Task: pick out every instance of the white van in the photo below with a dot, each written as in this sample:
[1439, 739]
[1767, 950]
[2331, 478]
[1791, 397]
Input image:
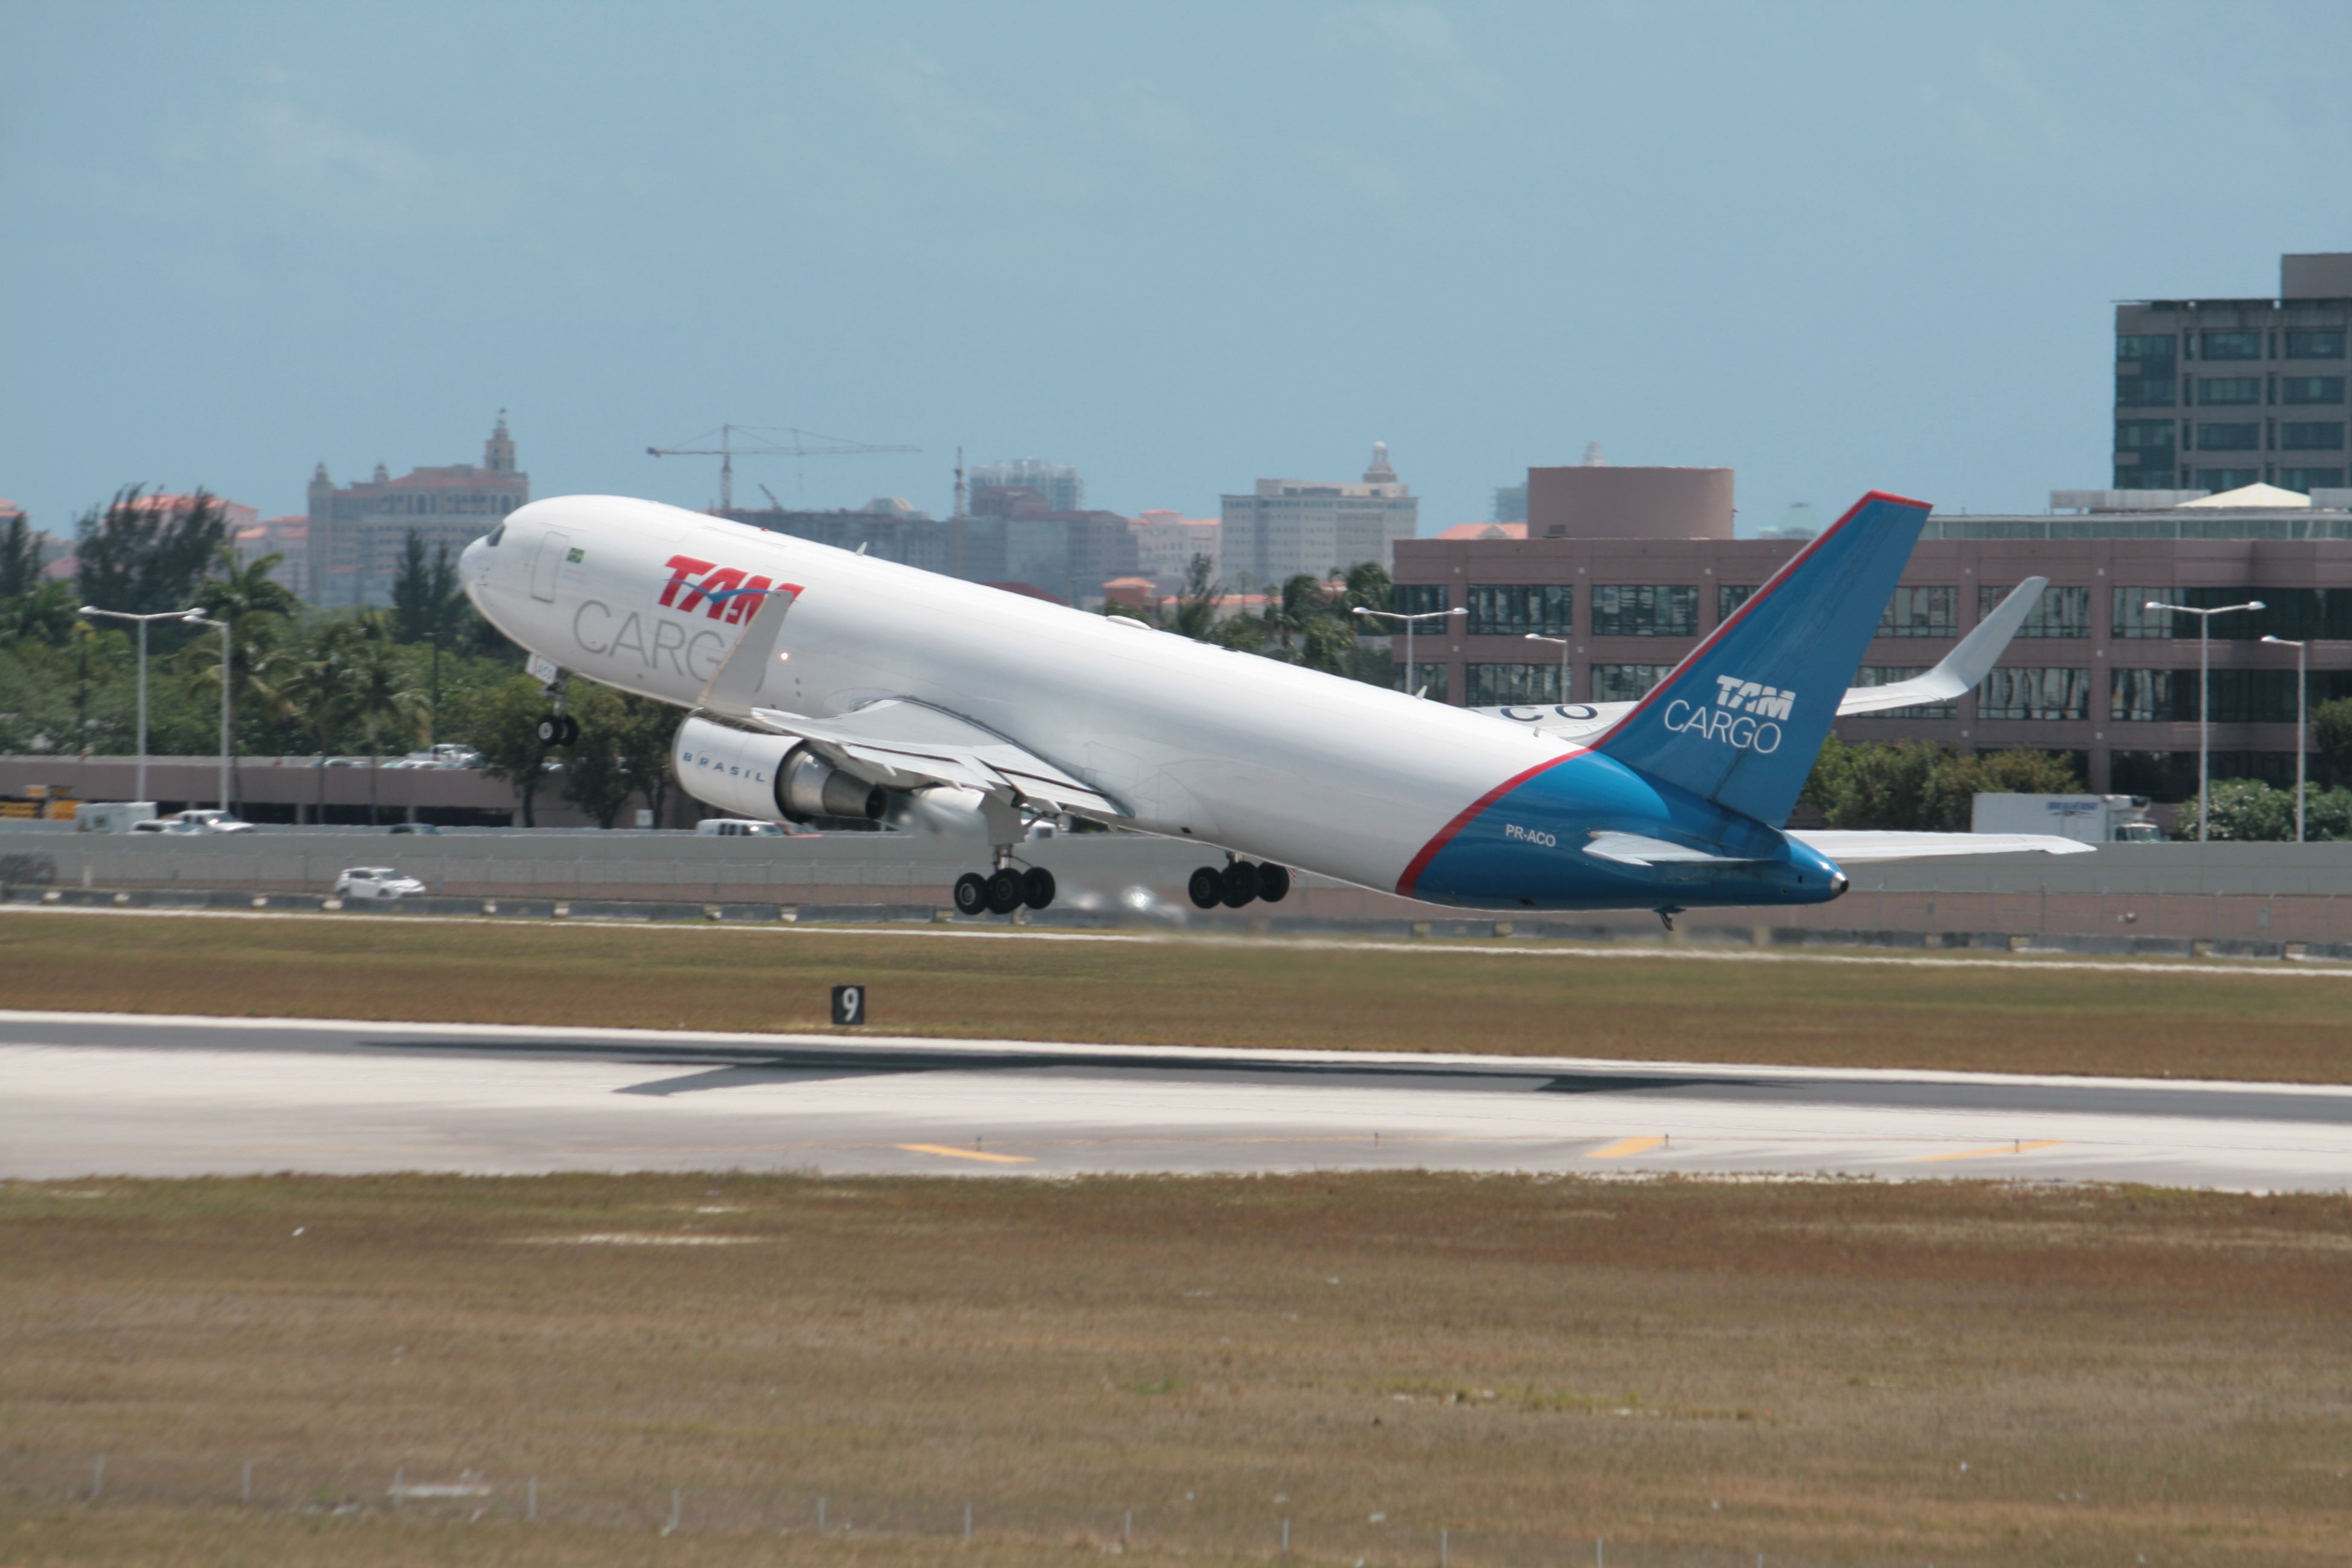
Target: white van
[112, 815]
[738, 827]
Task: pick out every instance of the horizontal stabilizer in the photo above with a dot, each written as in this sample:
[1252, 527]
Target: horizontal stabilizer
[903, 745]
[1633, 849]
[1848, 848]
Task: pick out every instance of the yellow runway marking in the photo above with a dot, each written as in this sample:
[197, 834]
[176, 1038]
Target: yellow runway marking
[2017, 1147]
[1625, 1146]
[966, 1154]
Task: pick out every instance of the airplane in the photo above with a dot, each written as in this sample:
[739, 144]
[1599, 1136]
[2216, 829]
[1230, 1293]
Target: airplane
[824, 683]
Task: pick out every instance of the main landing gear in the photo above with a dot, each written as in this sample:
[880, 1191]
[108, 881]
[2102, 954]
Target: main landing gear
[1003, 890]
[1009, 887]
[1236, 883]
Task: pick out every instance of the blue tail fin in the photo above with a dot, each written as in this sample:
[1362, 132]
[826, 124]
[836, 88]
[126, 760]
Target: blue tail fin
[1740, 720]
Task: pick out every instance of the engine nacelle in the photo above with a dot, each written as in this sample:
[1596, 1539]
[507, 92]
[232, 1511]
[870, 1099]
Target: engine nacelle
[771, 778]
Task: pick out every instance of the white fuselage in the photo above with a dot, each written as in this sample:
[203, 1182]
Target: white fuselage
[1230, 749]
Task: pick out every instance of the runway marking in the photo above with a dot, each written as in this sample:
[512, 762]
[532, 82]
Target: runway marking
[2015, 1146]
[1625, 1146]
[1433, 946]
[966, 1154]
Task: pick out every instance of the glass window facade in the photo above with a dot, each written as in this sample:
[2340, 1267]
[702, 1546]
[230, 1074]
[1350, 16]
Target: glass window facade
[2052, 693]
[2220, 480]
[2239, 696]
[2309, 479]
[2144, 436]
[1493, 685]
[2240, 436]
[2145, 391]
[2158, 775]
[1644, 610]
[2305, 435]
[1921, 612]
[1625, 682]
[1414, 599]
[1512, 609]
[2215, 390]
[1887, 675]
[1729, 597]
[2060, 613]
[1428, 679]
[2315, 344]
[2230, 345]
[2299, 615]
[2143, 346]
[2311, 389]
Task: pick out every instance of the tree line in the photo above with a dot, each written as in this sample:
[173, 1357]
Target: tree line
[301, 680]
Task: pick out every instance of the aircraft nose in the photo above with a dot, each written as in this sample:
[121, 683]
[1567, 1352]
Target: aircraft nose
[1838, 885]
[475, 559]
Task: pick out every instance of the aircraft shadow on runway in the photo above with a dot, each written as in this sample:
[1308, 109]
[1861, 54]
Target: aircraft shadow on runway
[724, 1067]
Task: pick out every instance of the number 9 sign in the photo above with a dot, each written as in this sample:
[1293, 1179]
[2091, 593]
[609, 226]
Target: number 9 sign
[848, 1005]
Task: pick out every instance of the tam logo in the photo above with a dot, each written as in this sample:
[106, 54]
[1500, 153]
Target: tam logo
[731, 594]
[1742, 714]
[1749, 696]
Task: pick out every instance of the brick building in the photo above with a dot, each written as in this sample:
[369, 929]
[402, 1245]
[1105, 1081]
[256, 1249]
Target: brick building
[2092, 673]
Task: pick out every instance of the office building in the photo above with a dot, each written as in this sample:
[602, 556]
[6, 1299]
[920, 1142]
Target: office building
[1057, 486]
[2093, 674]
[359, 533]
[1166, 542]
[287, 538]
[2215, 395]
[1289, 526]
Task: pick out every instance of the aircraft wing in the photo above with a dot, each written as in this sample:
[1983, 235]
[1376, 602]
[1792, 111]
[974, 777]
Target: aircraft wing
[903, 745]
[1854, 848]
[1960, 671]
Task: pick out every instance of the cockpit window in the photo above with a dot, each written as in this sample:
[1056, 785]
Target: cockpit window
[492, 538]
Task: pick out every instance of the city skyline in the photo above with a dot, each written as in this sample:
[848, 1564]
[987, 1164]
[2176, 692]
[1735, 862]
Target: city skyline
[1179, 255]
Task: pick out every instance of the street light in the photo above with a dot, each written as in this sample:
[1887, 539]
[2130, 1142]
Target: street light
[2301, 739]
[143, 620]
[2204, 706]
[1410, 622]
[1539, 637]
[227, 655]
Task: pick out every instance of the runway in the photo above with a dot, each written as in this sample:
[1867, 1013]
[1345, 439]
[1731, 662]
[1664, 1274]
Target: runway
[113, 1094]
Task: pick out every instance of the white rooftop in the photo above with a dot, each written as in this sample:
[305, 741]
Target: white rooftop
[2251, 496]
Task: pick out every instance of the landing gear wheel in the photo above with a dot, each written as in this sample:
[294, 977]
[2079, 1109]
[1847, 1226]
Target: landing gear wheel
[1237, 883]
[971, 893]
[1038, 887]
[1005, 892]
[1274, 883]
[1206, 888]
[571, 731]
[551, 730]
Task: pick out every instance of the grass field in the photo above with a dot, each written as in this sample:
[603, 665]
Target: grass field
[1824, 1373]
[1988, 1013]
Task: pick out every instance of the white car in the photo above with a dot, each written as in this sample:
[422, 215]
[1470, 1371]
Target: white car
[215, 822]
[376, 882]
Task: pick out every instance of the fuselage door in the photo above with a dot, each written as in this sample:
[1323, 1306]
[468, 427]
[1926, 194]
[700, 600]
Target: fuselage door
[552, 547]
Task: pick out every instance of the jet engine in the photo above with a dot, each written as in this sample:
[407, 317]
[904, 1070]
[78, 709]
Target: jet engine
[771, 778]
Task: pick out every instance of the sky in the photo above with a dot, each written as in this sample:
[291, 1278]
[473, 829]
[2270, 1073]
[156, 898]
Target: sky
[1184, 247]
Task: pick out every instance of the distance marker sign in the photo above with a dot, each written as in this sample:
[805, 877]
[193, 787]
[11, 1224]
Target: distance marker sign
[848, 1005]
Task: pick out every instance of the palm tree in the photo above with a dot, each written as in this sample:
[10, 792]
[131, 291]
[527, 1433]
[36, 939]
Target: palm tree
[383, 697]
[318, 688]
[1300, 601]
[1196, 606]
[254, 606]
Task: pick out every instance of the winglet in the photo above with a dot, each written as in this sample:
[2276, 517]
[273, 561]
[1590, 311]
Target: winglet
[1959, 670]
[733, 688]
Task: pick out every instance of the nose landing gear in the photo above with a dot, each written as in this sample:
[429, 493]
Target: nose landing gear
[1237, 883]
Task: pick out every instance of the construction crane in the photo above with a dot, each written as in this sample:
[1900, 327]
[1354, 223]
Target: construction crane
[728, 450]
